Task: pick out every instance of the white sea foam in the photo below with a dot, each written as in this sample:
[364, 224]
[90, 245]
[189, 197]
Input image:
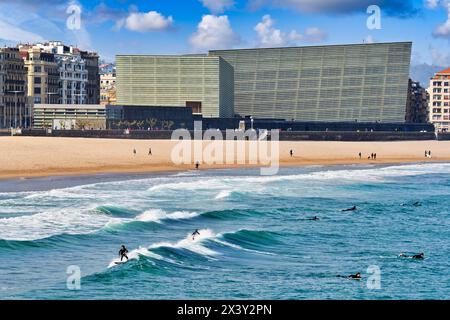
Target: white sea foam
[52, 222]
[157, 215]
[190, 243]
[135, 254]
[223, 194]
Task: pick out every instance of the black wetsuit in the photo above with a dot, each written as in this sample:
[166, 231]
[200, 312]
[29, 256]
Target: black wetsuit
[195, 233]
[350, 209]
[123, 253]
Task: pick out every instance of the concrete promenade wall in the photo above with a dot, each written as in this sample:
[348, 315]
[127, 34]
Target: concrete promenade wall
[283, 135]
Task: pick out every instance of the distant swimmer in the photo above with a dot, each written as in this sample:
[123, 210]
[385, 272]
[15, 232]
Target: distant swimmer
[350, 209]
[417, 204]
[195, 233]
[419, 256]
[123, 253]
[356, 276]
[314, 218]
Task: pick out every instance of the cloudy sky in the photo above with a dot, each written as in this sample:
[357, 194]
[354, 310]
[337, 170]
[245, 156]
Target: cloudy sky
[191, 26]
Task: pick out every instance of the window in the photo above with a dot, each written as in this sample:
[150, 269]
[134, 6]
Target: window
[37, 90]
[37, 80]
[37, 69]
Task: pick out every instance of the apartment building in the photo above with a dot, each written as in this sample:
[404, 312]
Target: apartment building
[439, 104]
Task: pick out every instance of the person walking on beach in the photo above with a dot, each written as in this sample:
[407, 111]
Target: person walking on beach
[429, 154]
[197, 164]
[134, 151]
[426, 154]
[149, 151]
[360, 155]
[291, 153]
[374, 156]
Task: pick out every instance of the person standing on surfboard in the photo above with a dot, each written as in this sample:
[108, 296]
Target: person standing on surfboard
[123, 253]
[195, 233]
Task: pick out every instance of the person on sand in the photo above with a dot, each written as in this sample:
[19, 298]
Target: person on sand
[360, 155]
[197, 164]
[123, 253]
[195, 233]
[149, 151]
[134, 151]
[291, 153]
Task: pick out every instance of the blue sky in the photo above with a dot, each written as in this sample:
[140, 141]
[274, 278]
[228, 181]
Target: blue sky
[189, 26]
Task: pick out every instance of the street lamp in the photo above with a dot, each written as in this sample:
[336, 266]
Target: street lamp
[48, 96]
[15, 107]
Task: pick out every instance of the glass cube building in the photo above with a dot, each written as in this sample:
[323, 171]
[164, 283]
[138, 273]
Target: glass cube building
[362, 82]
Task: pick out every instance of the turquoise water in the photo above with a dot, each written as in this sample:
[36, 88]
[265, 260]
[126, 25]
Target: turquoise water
[256, 240]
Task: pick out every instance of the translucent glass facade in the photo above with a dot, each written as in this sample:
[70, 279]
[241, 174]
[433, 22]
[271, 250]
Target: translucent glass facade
[173, 81]
[364, 82]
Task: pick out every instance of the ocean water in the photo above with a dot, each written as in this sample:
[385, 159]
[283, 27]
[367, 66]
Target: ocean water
[256, 237]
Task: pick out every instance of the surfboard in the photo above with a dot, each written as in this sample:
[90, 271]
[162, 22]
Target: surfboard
[120, 262]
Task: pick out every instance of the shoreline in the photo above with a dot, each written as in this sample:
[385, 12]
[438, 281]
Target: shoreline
[39, 157]
[142, 171]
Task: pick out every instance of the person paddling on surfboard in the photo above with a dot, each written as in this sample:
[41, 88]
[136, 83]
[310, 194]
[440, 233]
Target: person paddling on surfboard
[351, 209]
[195, 233]
[123, 253]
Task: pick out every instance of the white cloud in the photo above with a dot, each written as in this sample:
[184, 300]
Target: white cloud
[438, 58]
[400, 8]
[313, 34]
[443, 31]
[431, 4]
[14, 33]
[217, 6]
[147, 22]
[369, 39]
[214, 32]
[268, 35]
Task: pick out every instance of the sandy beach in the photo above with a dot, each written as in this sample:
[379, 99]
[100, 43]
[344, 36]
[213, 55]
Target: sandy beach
[24, 157]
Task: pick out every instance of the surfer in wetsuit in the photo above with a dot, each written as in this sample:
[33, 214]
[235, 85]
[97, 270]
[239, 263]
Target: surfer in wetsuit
[195, 233]
[356, 276]
[314, 218]
[123, 253]
[350, 209]
[419, 256]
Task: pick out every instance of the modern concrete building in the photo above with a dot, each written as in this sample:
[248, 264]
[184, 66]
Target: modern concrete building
[203, 83]
[16, 108]
[363, 82]
[69, 116]
[438, 106]
[417, 103]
